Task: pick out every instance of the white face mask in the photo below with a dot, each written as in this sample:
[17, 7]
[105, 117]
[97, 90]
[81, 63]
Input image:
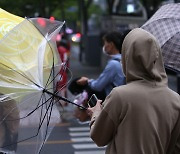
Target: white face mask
[104, 51]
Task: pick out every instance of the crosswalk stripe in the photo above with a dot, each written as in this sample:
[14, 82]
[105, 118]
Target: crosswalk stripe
[90, 152]
[79, 134]
[85, 146]
[82, 139]
[79, 129]
[47, 142]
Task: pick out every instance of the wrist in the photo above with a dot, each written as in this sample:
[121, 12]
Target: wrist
[89, 81]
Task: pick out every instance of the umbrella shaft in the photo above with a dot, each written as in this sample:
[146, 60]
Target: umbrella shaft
[63, 98]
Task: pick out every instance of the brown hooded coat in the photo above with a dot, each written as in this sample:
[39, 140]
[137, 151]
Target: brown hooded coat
[139, 117]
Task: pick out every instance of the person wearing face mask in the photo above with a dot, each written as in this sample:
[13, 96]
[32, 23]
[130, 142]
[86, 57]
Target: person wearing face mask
[112, 75]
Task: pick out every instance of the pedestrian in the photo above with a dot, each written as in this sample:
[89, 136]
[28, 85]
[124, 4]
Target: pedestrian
[112, 76]
[141, 117]
[9, 125]
[63, 77]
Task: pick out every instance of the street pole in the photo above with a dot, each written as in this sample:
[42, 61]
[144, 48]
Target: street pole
[178, 83]
[42, 6]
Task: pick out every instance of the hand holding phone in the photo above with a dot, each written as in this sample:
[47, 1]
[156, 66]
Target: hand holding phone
[93, 100]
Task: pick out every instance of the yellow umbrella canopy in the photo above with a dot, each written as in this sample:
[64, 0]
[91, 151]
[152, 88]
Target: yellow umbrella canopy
[29, 64]
[29, 54]
[7, 22]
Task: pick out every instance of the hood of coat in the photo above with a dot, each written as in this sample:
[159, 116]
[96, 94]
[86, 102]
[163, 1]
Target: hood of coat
[142, 58]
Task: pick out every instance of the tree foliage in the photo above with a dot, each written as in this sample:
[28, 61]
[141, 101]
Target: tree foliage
[44, 8]
[151, 6]
[72, 11]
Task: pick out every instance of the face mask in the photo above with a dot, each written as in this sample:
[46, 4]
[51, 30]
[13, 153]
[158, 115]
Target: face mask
[104, 51]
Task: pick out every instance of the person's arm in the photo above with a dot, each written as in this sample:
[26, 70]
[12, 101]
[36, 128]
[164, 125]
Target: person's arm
[82, 81]
[104, 78]
[102, 129]
[104, 120]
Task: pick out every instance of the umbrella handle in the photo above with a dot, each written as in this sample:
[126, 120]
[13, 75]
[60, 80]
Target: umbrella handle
[64, 99]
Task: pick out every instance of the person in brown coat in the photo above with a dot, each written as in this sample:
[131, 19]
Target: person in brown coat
[141, 116]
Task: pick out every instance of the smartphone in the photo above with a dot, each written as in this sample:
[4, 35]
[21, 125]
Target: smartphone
[93, 100]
